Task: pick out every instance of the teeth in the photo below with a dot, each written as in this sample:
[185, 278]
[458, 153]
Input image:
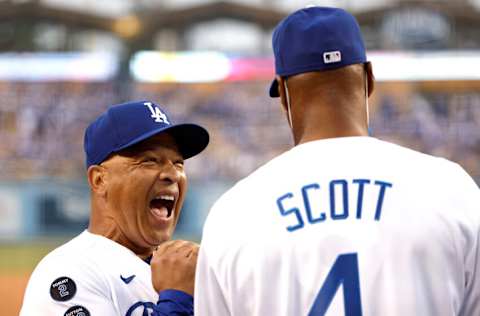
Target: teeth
[166, 197]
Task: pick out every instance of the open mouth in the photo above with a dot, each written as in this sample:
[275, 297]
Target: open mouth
[162, 206]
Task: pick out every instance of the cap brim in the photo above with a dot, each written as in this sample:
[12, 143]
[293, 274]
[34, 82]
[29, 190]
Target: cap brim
[191, 139]
[274, 89]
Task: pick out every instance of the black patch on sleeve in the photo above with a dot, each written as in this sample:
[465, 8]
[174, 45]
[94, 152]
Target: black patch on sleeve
[63, 289]
[77, 310]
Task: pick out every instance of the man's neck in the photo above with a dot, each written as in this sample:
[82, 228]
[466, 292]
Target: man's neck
[329, 121]
[108, 229]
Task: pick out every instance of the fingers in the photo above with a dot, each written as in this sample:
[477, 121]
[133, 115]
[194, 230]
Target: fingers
[173, 266]
[189, 250]
[176, 246]
[164, 247]
[192, 253]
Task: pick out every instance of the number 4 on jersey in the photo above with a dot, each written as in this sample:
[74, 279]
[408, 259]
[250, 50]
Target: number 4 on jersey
[344, 271]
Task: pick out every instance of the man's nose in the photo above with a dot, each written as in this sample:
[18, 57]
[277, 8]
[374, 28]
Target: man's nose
[170, 173]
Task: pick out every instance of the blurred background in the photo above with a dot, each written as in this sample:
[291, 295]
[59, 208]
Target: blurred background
[62, 62]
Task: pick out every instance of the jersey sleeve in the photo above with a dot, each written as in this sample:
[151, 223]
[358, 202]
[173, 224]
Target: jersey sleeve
[174, 303]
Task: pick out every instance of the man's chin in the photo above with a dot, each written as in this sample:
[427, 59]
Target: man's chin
[159, 238]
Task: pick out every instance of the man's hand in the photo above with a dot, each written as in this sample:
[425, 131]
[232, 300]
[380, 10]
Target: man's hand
[173, 266]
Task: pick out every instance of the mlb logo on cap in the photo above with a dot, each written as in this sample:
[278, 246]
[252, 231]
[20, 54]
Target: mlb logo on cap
[316, 39]
[332, 57]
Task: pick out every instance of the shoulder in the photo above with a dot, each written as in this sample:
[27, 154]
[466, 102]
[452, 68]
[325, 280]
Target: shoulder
[239, 205]
[398, 156]
[257, 181]
[77, 254]
[242, 190]
[448, 183]
[60, 273]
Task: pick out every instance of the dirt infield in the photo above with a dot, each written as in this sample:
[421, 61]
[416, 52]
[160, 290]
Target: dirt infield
[12, 287]
[17, 261]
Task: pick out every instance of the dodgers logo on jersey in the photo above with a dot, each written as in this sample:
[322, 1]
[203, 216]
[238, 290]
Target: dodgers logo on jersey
[145, 308]
[157, 114]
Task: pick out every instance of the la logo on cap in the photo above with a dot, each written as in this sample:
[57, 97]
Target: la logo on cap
[157, 114]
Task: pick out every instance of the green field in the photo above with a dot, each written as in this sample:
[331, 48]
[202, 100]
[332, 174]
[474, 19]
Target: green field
[17, 261]
[23, 257]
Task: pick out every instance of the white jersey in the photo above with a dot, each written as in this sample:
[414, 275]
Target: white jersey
[344, 226]
[90, 275]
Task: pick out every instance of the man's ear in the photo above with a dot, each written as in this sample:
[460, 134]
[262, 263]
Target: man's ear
[370, 78]
[281, 91]
[97, 179]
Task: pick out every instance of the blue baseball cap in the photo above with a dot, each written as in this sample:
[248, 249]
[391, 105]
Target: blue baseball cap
[127, 124]
[316, 39]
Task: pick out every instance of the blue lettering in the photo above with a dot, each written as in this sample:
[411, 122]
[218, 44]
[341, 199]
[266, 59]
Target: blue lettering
[333, 211]
[344, 272]
[381, 195]
[306, 201]
[337, 194]
[361, 183]
[294, 210]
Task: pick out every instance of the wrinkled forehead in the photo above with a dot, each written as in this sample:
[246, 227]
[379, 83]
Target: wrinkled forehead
[162, 142]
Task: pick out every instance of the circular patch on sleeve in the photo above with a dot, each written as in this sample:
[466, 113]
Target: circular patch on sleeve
[63, 289]
[77, 311]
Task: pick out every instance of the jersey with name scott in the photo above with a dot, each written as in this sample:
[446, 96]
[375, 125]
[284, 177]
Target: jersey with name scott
[344, 226]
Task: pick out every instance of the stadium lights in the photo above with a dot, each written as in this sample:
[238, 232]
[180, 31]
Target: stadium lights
[426, 66]
[215, 66]
[57, 66]
[180, 66]
[193, 66]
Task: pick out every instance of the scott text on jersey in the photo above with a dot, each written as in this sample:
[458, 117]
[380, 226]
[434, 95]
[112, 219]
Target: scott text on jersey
[337, 192]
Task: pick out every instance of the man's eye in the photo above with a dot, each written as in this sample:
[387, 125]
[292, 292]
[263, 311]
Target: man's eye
[179, 163]
[149, 160]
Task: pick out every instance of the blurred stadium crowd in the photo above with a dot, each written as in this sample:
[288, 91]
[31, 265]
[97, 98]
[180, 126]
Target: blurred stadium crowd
[42, 124]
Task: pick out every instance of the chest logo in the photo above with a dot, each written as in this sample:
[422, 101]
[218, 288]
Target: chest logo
[63, 289]
[127, 280]
[145, 307]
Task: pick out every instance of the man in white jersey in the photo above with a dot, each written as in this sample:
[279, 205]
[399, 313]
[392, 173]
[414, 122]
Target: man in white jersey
[125, 263]
[343, 223]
